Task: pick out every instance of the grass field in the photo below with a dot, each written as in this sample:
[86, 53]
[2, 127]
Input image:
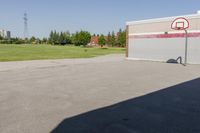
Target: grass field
[10, 52]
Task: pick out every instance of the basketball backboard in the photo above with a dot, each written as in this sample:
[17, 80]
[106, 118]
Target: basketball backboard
[180, 24]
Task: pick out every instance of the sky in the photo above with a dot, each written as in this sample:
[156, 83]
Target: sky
[95, 16]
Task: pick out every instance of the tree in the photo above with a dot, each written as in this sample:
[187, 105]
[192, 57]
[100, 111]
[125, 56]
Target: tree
[44, 40]
[108, 40]
[50, 40]
[32, 40]
[61, 39]
[17, 41]
[113, 40]
[67, 37]
[38, 41]
[81, 38]
[1, 38]
[56, 37]
[102, 40]
[73, 38]
[121, 39]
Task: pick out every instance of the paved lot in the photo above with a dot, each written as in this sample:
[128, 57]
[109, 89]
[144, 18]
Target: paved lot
[99, 95]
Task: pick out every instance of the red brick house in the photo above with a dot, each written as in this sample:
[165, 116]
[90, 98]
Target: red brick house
[94, 40]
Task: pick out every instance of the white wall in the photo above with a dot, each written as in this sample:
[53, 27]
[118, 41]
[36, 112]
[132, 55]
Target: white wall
[194, 50]
[163, 49]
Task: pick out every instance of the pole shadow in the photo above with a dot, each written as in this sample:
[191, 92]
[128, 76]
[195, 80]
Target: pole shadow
[172, 110]
[176, 61]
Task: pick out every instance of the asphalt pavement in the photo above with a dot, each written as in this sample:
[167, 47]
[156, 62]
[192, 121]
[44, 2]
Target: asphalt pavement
[106, 94]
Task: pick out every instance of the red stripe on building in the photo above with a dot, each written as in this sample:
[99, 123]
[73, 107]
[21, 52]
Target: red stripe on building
[172, 35]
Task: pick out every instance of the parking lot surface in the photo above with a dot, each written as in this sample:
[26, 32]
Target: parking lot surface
[106, 94]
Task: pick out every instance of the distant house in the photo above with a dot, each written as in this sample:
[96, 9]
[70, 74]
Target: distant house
[94, 41]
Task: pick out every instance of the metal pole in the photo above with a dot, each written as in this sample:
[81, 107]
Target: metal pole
[186, 46]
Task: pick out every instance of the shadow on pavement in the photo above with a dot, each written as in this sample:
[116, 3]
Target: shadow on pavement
[172, 110]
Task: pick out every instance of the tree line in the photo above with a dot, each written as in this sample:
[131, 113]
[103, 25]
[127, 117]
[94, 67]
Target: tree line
[78, 38]
[55, 38]
[64, 38]
[113, 39]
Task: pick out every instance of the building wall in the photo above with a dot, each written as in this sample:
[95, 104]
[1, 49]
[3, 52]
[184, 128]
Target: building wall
[161, 26]
[155, 40]
[94, 40]
[5, 34]
[8, 34]
[159, 49]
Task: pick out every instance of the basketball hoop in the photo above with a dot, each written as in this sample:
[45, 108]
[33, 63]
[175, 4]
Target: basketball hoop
[182, 24]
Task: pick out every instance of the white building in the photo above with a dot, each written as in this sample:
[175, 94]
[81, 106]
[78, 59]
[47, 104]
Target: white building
[154, 39]
[5, 33]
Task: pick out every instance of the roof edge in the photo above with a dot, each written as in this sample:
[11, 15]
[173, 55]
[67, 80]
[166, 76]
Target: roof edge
[191, 16]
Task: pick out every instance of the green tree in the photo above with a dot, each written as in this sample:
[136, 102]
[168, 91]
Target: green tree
[38, 41]
[61, 40]
[113, 39]
[18, 41]
[81, 38]
[44, 40]
[56, 38]
[50, 40]
[32, 40]
[102, 40]
[73, 38]
[67, 37]
[121, 39]
[1, 38]
[108, 40]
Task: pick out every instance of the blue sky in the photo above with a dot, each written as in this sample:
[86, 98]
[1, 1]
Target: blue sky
[96, 16]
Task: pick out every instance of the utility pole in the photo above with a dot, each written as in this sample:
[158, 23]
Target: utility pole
[25, 18]
[186, 46]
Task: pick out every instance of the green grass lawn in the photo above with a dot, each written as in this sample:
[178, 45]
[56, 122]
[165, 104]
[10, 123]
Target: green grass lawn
[10, 52]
